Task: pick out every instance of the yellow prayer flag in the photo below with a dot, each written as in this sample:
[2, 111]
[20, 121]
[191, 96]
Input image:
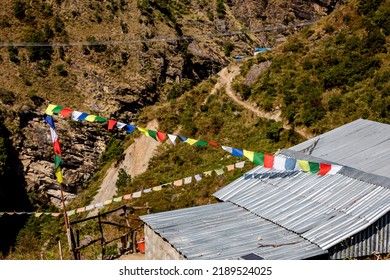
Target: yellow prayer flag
[158, 188]
[250, 155]
[304, 165]
[143, 130]
[90, 118]
[49, 109]
[58, 173]
[191, 141]
[108, 201]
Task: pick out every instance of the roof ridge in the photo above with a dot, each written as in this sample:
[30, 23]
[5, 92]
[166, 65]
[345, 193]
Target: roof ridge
[347, 171]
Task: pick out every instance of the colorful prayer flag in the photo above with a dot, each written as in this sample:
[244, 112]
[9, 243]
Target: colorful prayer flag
[76, 115]
[82, 116]
[187, 180]
[314, 167]
[258, 158]
[130, 128]
[279, 163]
[178, 183]
[237, 152]
[58, 174]
[158, 188]
[90, 118]
[227, 149]
[324, 168]
[161, 136]
[153, 134]
[241, 164]
[214, 144]
[268, 161]
[172, 138]
[219, 171]
[304, 165]
[334, 169]
[120, 125]
[111, 124]
[230, 167]
[143, 131]
[49, 109]
[137, 194]
[201, 143]
[198, 177]
[191, 141]
[128, 196]
[290, 163]
[249, 155]
[66, 112]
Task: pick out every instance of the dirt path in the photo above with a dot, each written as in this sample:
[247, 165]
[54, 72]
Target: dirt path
[135, 162]
[226, 77]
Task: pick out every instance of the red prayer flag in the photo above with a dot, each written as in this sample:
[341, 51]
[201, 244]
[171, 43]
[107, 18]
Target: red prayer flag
[111, 124]
[213, 144]
[324, 168]
[66, 112]
[57, 149]
[268, 161]
[161, 136]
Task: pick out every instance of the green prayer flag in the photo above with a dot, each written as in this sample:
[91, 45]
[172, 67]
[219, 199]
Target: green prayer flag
[57, 109]
[258, 158]
[314, 167]
[57, 161]
[153, 134]
[201, 143]
[100, 119]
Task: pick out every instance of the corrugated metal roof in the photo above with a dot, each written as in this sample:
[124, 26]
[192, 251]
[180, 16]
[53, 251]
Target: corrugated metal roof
[225, 231]
[372, 240]
[323, 209]
[361, 144]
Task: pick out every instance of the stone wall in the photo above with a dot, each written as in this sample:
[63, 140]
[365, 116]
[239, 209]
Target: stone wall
[156, 248]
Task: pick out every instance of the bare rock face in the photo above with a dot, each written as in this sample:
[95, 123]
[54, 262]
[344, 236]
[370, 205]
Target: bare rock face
[81, 145]
[255, 71]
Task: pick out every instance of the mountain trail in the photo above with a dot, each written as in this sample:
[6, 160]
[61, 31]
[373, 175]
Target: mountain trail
[226, 77]
[135, 162]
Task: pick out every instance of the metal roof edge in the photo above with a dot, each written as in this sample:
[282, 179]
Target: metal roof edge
[346, 170]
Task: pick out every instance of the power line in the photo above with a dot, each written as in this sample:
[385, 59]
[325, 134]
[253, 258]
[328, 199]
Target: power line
[159, 39]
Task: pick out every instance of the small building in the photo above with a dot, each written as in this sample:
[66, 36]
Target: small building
[279, 214]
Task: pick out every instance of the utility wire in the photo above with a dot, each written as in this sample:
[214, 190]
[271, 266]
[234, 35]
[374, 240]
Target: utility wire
[159, 39]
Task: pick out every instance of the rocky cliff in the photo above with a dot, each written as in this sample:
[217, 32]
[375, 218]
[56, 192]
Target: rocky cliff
[114, 58]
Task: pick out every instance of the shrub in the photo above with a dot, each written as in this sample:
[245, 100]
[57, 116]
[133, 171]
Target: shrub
[13, 54]
[228, 47]
[7, 97]
[19, 9]
[61, 70]
[220, 9]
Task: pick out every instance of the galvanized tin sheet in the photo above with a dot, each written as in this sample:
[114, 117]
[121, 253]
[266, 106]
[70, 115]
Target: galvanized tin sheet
[360, 144]
[225, 231]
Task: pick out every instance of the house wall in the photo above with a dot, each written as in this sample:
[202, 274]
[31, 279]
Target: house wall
[156, 248]
[373, 240]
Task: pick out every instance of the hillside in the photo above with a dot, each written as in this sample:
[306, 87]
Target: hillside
[160, 62]
[112, 58]
[329, 74]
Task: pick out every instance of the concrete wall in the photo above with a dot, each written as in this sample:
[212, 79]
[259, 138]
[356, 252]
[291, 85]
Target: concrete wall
[157, 248]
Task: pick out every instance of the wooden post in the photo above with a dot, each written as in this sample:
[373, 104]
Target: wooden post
[102, 236]
[70, 243]
[60, 249]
